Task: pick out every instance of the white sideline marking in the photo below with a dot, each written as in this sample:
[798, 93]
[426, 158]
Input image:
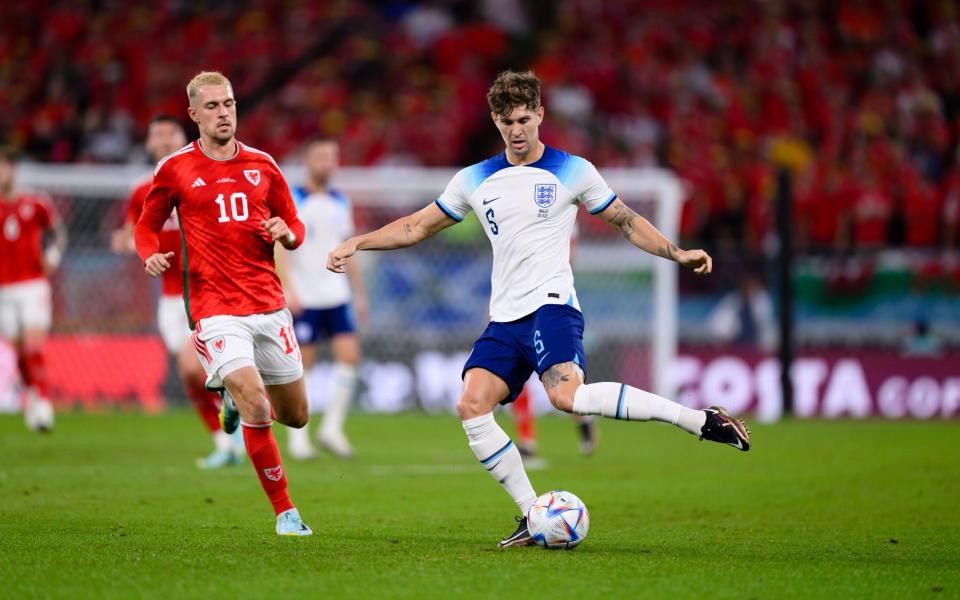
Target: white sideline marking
[436, 469]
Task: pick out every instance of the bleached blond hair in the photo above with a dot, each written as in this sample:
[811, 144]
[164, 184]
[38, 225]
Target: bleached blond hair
[206, 78]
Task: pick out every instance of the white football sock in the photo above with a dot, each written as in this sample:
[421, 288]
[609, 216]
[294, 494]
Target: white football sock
[344, 384]
[498, 455]
[622, 402]
[298, 438]
[222, 441]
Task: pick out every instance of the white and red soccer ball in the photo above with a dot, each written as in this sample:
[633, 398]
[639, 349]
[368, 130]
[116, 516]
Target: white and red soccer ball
[558, 519]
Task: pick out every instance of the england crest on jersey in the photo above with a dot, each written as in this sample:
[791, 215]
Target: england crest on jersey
[252, 175]
[545, 194]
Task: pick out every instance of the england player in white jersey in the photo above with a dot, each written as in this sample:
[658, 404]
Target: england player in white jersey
[324, 305]
[527, 198]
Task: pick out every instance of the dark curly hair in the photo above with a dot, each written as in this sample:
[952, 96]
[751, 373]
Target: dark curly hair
[512, 89]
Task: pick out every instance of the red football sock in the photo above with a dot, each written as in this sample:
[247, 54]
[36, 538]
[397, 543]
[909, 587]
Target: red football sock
[265, 456]
[33, 370]
[206, 403]
[521, 412]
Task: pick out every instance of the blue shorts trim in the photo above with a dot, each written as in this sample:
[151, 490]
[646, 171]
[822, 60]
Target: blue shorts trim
[314, 324]
[551, 335]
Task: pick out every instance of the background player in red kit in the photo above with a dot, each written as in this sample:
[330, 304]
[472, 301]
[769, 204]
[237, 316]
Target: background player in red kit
[25, 309]
[234, 204]
[165, 135]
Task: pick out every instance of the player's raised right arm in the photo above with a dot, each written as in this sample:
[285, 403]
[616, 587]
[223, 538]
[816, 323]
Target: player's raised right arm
[402, 233]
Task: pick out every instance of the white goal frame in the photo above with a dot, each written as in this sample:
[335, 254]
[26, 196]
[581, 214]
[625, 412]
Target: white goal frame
[415, 187]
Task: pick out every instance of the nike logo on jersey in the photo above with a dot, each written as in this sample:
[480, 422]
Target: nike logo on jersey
[541, 358]
[198, 183]
[486, 202]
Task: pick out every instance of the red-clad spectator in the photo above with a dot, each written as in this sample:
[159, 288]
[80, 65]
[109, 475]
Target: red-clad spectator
[708, 77]
[922, 209]
[822, 209]
[859, 20]
[950, 202]
[871, 206]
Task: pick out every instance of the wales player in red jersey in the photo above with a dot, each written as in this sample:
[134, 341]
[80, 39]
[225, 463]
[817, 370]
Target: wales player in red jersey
[25, 309]
[165, 135]
[234, 205]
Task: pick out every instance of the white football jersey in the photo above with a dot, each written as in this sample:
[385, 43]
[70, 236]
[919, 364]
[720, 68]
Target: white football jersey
[528, 213]
[328, 219]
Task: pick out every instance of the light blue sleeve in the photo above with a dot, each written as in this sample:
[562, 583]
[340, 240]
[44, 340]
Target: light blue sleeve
[455, 201]
[591, 189]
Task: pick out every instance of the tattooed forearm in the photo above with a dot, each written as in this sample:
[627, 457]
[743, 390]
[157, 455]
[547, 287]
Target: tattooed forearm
[669, 252]
[408, 229]
[623, 220]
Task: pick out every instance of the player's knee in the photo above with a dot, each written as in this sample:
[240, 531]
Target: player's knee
[350, 357]
[32, 340]
[296, 418]
[250, 395]
[561, 398]
[472, 404]
[346, 349]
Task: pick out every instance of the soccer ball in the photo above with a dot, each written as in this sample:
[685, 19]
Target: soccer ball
[558, 519]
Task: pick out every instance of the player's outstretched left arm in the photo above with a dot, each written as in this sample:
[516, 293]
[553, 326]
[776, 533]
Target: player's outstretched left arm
[642, 234]
[403, 232]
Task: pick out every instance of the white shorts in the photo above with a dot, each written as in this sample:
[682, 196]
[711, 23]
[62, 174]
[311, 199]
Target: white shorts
[172, 322]
[265, 341]
[24, 305]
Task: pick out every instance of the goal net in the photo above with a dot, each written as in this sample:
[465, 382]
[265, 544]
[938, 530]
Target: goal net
[428, 304]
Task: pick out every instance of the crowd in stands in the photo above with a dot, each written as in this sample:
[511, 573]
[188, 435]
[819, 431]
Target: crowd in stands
[859, 100]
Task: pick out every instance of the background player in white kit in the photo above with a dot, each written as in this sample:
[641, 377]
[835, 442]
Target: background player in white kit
[321, 301]
[527, 199]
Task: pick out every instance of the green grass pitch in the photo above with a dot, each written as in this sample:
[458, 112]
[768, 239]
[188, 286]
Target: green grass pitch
[111, 505]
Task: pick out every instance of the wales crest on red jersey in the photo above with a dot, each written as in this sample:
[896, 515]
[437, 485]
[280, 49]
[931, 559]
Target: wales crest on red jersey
[252, 175]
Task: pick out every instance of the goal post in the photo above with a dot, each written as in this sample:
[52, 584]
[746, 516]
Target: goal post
[665, 191]
[426, 303]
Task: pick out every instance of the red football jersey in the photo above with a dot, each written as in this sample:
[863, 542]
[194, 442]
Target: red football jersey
[169, 237]
[221, 203]
[23, 222]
